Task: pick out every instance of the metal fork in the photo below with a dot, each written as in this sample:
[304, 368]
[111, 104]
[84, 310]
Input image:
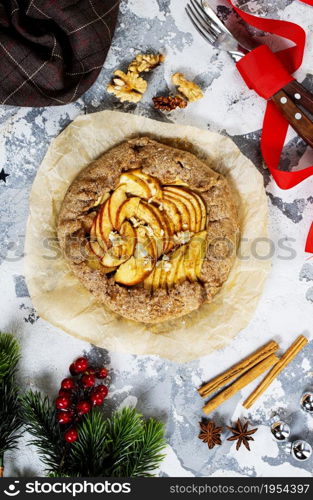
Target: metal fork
[213, 30]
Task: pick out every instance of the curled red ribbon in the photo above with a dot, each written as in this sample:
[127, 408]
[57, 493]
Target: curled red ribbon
[290, 59]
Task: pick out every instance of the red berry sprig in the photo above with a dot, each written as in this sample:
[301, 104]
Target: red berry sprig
[78, 394]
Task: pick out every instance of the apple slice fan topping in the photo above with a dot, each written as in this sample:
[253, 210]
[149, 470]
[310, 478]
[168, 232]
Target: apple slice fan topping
[148, 233]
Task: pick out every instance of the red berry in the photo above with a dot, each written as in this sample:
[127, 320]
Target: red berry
[67, 384]
[80, 365]
[71, 435]
[83, 407]
[88, 380]
[72, 370]
[102, 389]
[63, 392]
[102, 373]
[64, 417]
[96, 398]
[63, 402]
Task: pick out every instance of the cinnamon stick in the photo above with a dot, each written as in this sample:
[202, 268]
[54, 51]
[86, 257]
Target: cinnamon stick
[241, 382]
[289, 355]
[238, 369]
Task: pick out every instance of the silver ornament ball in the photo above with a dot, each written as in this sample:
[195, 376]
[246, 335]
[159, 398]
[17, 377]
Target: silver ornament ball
[301, 450]
[307, 402]
[280, 431]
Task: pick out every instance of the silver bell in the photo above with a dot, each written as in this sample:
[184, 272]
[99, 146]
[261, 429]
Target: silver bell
[280, 431]
[307, 402]
[301, 450]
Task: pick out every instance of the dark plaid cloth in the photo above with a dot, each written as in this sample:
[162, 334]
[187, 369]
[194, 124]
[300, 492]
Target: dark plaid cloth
[51, 51]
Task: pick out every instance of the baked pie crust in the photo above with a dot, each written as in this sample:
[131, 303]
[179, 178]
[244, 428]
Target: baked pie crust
[150, 230]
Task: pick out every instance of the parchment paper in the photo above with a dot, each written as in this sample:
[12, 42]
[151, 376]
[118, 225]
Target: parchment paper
[63, 301]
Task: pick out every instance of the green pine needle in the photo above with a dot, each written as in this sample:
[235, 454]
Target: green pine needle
[40, 421]
[9, 354]
[87, 455]
[147, 454]
[10, 414]
[135, 444]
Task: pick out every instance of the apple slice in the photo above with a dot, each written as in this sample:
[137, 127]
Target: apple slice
[135, 185]
[165, 225]
[177, 194]
[152, 183]
[151, 216]
[194, 256]
[181, 273]
[140, 266]
[97, 266]
[175, 261]
[201, 205]
[128, 235]
[101, 199]
[104, 226]
[165, 266]
[98, 233]
[189, 195]
[182, 209]
[148, 283]
[203, 211]
[94, 245]
[128, 209]
[202, 242]
[115, 202]
[173, 214]
[156, 277]
[170, 231]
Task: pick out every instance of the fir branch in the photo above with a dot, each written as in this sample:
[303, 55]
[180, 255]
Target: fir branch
[9, 354]
[147, 456]
[124, 429]
[10, 414]
[40, 421]
[122, 445]
[88, 454]
[136, 444]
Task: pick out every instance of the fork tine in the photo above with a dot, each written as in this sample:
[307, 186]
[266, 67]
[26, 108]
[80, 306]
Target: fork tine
[209, 12]
[204, 16]
[206, 34]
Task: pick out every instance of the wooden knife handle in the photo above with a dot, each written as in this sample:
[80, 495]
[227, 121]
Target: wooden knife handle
[300, 95]
[299, 121]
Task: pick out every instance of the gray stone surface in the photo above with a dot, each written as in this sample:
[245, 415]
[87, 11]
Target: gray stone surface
[157, 387]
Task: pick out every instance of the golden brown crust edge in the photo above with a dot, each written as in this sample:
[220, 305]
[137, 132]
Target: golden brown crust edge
[167, 164]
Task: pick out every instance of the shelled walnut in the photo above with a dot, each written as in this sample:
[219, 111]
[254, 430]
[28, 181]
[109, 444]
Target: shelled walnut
[130, 86]
[145, 62]
[169, 103]
[127, 86]
[189, 89]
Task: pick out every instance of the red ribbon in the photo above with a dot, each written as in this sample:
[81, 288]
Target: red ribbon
[289, 60]
[263, 72]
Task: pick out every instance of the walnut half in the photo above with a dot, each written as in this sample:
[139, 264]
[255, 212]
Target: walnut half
[145, 62]
[127, 86]
[169, 103]
[189, 89]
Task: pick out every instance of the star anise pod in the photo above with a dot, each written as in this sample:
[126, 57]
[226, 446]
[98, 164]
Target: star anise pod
[210, 434]
[241, 434]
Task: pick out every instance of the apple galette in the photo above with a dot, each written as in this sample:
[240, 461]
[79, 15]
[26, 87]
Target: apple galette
[150, 230]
